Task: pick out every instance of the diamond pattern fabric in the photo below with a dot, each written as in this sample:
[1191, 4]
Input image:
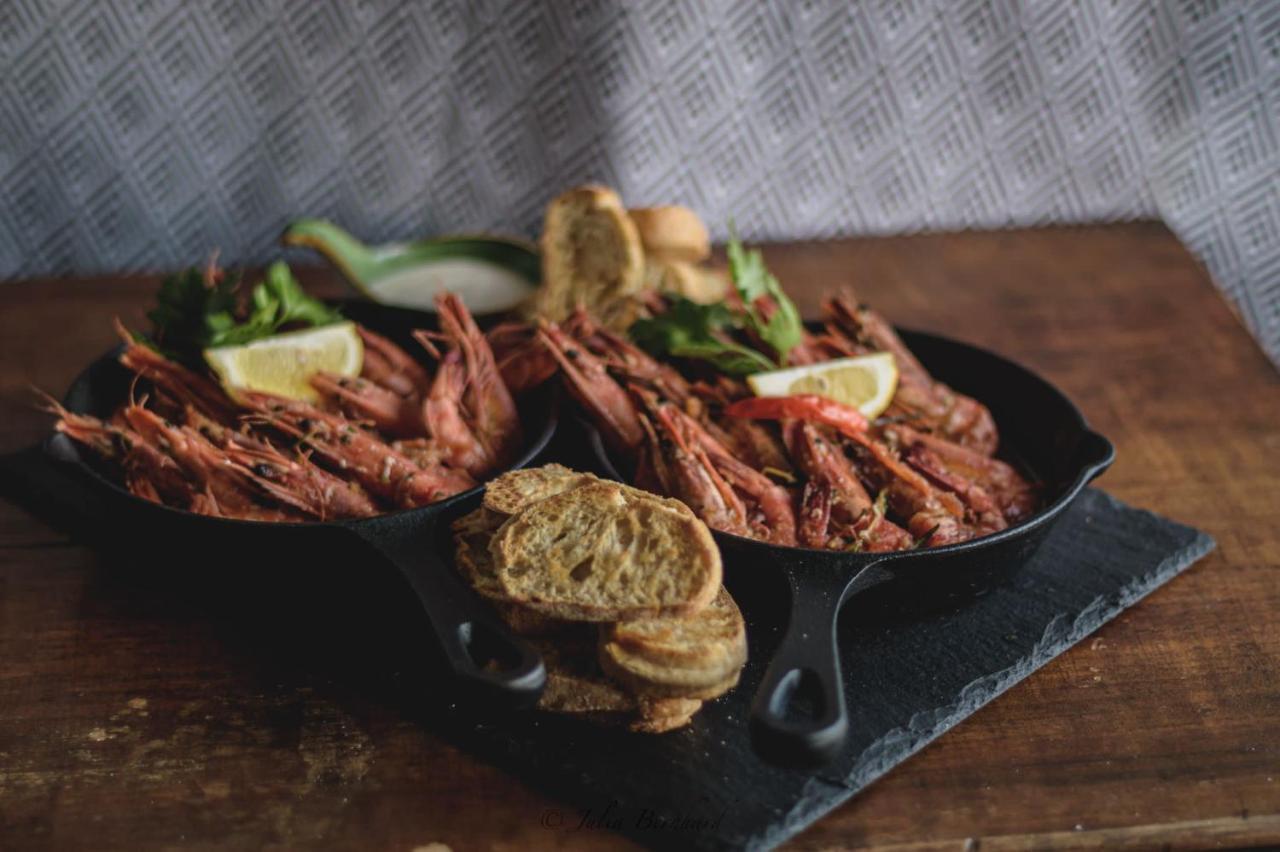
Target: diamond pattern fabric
[143, 133]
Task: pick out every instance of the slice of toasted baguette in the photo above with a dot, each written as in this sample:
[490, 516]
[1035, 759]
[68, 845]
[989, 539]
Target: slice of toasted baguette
[695, 657]
[644, 677]
[714, 639]
[575, 686]
[696, 283]
[471, 536]
[516, 489]
[602, 552]
[591, 253]
[672, 232]
[659, 715]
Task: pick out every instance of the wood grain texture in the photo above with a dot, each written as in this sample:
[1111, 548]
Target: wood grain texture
[137, 712]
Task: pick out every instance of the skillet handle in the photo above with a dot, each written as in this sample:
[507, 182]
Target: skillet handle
[500, 668]
[798, 715]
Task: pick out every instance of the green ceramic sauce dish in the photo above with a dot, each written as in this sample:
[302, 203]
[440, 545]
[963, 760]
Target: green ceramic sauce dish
[491, 273]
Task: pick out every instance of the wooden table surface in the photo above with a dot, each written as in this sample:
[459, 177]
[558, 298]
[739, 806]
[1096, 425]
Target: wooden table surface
[135, 716]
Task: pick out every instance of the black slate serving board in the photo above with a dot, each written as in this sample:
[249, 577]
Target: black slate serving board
[909, 677]
[915, 665]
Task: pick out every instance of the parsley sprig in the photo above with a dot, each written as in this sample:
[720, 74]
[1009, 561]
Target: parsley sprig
[714, 333]
[193, 313]
[701, 332]
[770, 313]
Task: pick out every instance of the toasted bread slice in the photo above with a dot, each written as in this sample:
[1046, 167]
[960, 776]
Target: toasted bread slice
[576, 686]
[671, 503]
[471, 535]
[516, 489]
[661, 725]
[672, 232]
[699, 656]
[714, 639]
[643, 677]
[591, 253]
[659, 715]
[602, 552]
[696, 283]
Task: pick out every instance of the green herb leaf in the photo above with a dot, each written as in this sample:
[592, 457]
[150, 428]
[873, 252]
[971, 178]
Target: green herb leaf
[294, 305]
[704, 332]
[183, 305]
[191, 315]
[692, 330]
[731, 358]
[763, 296]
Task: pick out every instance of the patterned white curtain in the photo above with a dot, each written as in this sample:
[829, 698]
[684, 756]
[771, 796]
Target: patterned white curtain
[141, 134]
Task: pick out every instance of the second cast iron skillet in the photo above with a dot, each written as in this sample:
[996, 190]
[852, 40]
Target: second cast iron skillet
[486, 658]
[798, 715]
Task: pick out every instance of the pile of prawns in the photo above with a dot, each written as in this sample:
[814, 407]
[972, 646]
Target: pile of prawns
[396, 437]
[799, 470]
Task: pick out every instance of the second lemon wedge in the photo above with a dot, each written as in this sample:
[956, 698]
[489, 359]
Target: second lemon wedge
[284, 363]
[867, 382]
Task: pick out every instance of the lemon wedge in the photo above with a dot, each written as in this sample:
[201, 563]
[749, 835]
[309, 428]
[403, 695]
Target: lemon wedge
[283, 363]
[866, 382]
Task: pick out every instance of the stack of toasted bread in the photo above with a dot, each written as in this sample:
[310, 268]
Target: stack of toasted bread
[618, 588]
[598, 254]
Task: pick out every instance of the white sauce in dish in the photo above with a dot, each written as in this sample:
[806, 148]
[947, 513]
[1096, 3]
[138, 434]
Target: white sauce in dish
[484, 287]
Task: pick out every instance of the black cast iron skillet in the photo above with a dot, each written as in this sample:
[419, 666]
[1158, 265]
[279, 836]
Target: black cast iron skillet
[798, 715]
[488, 660]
